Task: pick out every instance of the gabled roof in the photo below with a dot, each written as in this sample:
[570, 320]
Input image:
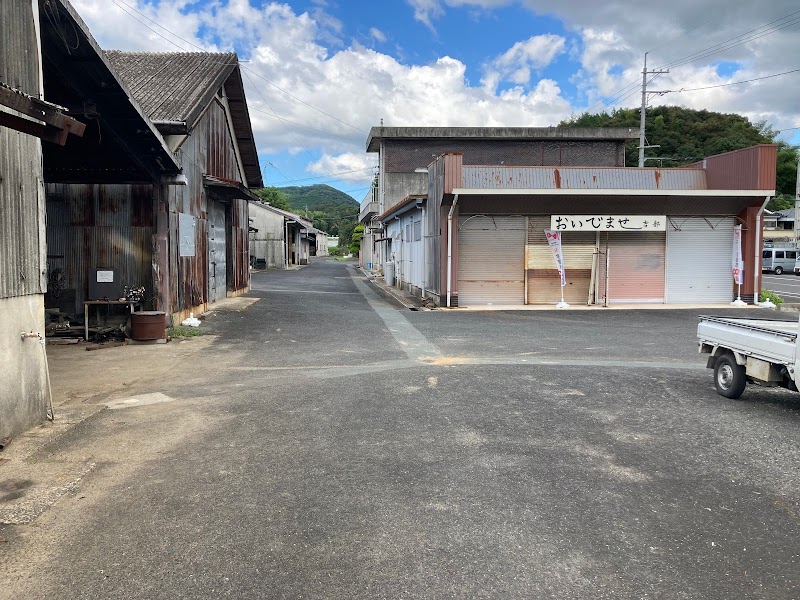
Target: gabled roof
[121, 144]
[173, 86]
[174, 89]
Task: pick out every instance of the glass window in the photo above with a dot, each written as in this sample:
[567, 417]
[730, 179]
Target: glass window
[779, 254]
[791, 254]
[767, 254]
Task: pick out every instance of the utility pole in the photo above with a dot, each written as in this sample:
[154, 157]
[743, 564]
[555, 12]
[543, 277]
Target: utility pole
[797, 205]
[645, 73]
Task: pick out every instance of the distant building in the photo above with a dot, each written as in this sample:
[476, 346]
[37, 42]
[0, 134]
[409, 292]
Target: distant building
[462, 214]
[779, 227]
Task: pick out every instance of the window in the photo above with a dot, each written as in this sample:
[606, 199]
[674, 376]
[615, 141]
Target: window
[417, 231]
[779, 254]
[791, 254]
[767, 254]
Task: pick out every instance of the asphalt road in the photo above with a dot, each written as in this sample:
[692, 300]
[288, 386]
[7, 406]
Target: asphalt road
[333, 445]
[786, 285]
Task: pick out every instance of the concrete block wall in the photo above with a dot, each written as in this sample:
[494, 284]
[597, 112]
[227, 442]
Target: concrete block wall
[404, 156]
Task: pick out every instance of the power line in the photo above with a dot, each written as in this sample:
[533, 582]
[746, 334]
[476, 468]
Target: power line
[624, 93]
[732, 42]
[708, 87]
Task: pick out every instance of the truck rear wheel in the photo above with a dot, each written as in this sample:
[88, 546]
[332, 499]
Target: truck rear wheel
[729, 378]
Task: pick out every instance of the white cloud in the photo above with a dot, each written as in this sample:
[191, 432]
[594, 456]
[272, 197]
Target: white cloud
[291, 70]
[377, 34]
[426, 10]
[516, 63]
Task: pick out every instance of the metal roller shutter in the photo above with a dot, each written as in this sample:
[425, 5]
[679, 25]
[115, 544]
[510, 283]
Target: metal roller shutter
[544, 284]
[636, 267]
[491, 260]
[699, 260]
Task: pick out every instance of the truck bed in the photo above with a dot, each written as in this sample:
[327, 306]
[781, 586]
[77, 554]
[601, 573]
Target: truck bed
[770, 340]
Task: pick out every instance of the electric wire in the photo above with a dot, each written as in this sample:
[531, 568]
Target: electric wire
[705, 53]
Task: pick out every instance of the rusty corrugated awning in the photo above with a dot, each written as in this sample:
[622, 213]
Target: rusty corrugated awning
[229, 189]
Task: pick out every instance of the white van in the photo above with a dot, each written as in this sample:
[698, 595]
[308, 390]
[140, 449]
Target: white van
[778, 260]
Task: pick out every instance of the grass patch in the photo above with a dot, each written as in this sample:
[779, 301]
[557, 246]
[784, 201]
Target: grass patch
[181, 331]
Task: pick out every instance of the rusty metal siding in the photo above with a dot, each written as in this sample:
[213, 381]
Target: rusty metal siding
[22, 248]
[403, 156]
[453, 169]
[752, 168]
[99, 226]
[220, 155]
[500, 177]
[239, 254]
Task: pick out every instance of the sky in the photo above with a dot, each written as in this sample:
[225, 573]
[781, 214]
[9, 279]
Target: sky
[319, 74]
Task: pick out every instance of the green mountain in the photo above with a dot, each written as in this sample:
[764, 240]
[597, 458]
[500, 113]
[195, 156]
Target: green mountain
[329, 209]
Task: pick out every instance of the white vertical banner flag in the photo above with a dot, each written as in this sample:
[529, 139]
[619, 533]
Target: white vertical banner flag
[554, 239]
[738, 261]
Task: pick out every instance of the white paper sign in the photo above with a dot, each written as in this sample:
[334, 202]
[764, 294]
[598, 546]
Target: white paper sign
[554, 239]
[105, 277]
[608, 223]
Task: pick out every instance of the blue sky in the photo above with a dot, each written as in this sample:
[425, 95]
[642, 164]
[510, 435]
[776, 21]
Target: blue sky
[320, 73]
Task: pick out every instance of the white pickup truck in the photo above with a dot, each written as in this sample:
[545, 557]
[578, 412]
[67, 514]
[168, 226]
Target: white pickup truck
[762, 351]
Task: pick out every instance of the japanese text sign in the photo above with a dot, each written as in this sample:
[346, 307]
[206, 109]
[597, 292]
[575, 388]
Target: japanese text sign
[608, 223]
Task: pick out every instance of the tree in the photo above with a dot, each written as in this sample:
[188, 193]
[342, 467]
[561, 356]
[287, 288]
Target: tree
[355, 239]
[685, 135]
[274, 197]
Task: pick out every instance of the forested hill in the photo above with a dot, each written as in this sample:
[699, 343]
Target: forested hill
[321, 198]
[329, 209]
[685, 135]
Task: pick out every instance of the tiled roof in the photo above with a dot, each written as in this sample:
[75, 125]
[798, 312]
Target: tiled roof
[173, 86]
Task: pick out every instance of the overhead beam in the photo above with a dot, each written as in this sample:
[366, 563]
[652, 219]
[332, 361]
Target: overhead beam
[49, 124]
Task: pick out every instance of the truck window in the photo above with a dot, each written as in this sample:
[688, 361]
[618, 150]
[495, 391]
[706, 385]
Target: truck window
[779, 254]
[791, 254]
[767, 254]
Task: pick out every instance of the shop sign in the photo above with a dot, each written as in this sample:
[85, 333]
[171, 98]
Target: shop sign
[608, 223]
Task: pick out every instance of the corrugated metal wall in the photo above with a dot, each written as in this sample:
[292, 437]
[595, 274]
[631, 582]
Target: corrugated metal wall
[496, 177]
[22, 248]
[209, 150]
[93, 226]
[752, 168]
[238, 249]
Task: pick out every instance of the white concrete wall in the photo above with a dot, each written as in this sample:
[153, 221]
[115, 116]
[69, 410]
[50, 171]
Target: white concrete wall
[24, 394]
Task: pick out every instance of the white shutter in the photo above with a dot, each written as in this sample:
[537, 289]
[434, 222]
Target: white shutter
[491, 265]
[699, 260]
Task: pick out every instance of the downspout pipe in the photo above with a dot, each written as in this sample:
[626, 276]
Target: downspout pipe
[758, 252]
[450, 249]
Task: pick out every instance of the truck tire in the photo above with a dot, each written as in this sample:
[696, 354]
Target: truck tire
[778, 270]
[729, 378]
